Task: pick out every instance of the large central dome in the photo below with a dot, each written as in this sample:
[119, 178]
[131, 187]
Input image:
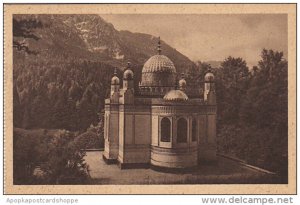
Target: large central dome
[159, 63]
[158, 72]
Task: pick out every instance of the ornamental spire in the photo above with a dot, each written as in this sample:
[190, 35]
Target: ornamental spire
[115, 71]
[159, 46]
[128, 65]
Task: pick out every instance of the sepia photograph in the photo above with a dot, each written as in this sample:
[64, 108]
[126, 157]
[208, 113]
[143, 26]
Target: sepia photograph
[149, 98]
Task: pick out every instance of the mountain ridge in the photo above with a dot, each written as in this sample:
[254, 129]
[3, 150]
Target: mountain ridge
[91, 38]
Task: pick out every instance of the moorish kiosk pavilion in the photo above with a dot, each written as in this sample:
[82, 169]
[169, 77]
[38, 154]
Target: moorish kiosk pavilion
[159, 124]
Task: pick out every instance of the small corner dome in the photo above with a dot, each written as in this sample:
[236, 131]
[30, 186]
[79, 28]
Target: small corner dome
[209, 77]
[176, 95]
[182, 83]
[128, 75]
[115, 80]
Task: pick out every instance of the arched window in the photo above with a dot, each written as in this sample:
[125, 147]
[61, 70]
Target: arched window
[165, 133]
[194, 130]
[181, 130]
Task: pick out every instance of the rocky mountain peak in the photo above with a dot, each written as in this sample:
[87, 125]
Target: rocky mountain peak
[90, 37]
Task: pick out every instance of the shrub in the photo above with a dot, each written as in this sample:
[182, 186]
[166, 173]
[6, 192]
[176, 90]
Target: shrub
[89, 140]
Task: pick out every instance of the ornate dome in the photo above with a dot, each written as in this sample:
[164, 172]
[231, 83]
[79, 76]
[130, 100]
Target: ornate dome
[159, 63]
[182, 83]
[128, 74]
[115, 80]
[209, 77]
[176, 95]
[158, 71]
[158, 74]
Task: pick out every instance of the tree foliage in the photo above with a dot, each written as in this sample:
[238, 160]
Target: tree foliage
[47, 158]
[252, 109]
[23, 28]
[66, 96]
[93, 138]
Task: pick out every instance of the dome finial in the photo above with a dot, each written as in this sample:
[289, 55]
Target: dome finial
[159, 46]
[128, 64]
[115, 71]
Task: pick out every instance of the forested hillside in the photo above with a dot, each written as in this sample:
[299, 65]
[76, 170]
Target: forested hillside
[63, 65]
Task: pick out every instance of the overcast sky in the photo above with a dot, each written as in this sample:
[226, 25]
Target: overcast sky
[211, 37]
